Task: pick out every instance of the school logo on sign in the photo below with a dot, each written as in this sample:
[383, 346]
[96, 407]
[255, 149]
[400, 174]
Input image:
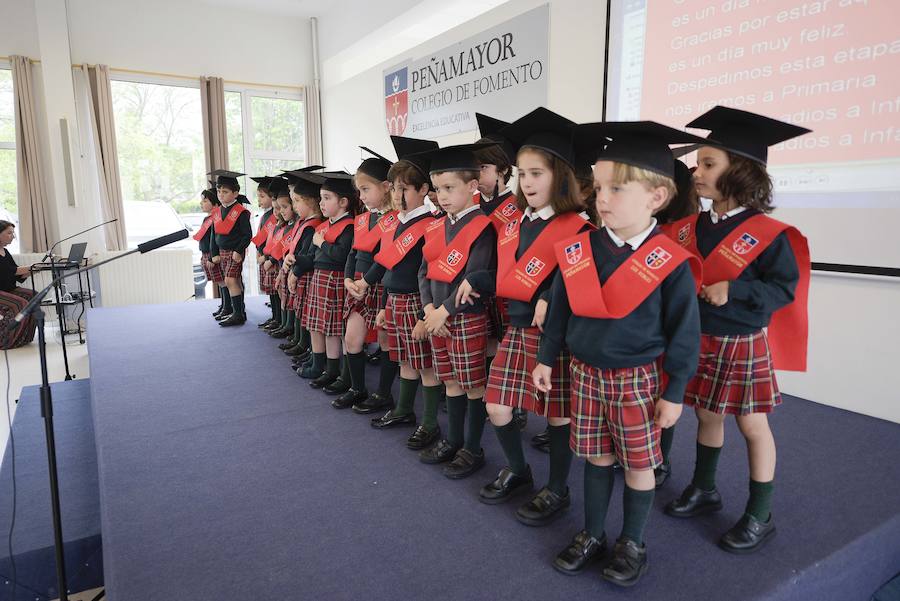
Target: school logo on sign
[684, 232]
[573, 253]
[744, 244]
[534, 266]
[454, 257]
[396, 101]
[406, 240]
[657, 258]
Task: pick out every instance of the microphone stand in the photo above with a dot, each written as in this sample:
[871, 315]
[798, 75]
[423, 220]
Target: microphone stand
[58, 242]
[34, 307]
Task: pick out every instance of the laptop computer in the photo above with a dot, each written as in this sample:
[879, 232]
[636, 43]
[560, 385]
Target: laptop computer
[76, 253]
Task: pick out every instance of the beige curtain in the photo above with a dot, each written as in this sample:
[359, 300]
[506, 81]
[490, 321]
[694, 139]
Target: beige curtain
[313, 125]
[103, 129]
[32, 193]
[215, 137]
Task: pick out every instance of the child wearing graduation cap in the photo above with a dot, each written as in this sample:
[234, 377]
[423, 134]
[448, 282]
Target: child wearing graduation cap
[401, 256]
[625, 304]
[209, 201]
[272, 255]
[362, 280]
[283, 242]
[755, 276]
[231, 224]
[325, 296]
[548, 208]
[267, 222]
[457, 244]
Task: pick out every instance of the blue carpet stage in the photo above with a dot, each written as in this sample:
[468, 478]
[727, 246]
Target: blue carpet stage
[79, 496]
[223, 476]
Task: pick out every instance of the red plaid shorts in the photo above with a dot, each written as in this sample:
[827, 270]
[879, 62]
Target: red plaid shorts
[230, 267]
[462, 356]
[400, 317]
[510, 382]
[612, 414]
[212, 270]
[497, 317]
[325, 302]
[267, 280]
[734, 376]
[298, 299]
[368, 306]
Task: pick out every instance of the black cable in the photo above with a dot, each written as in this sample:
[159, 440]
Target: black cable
[12, 456]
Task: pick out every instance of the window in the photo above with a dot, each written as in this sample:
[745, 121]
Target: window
[8, 201]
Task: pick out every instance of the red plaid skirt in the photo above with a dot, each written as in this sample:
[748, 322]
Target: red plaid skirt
[281, 288]
[297, 301]
[230, 267]
[267, 280]
[462, 356]
[612, 414]
[212, 270]
[325, 302]
[368, 306]
[400, 317]
[497, 317]
[734, 376]
[510, 382]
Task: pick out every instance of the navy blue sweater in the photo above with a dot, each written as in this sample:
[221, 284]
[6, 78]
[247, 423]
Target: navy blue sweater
[333, 256]
[668, 321]
[766, 285]
[238, 239]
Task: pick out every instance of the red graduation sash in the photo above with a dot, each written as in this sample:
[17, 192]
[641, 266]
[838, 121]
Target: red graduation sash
[788, 329]
[264, 230]
[519, 280]
[273, 241]
[505, 212]
[446, 260]
[224, 226]
[629, 285]
[393, 251]
[333, 230]
[311, 222]
[366, 239]
[204, 227]
[284, 243]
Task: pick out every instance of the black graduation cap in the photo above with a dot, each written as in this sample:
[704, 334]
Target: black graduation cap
[375, 166]
[278, 187]
[745, 133]
[405, 147]
[224, 176]
[643, 144]
[339, 182]
[304, 182]
[489, 128]
[263, 181]
[451, 158]
[542, 129]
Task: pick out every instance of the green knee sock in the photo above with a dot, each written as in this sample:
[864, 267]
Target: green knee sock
[705, 468]
[226, 299]
[387, 375]
[560, 459]
[665, 442]
[333, 367]
[511, 441]
[345, 369]
[637, 505]
[357, 365]
[432, 395]
[304, 337]
[477, 417]
[598, 487]
[296, 337]
[274, 306]
[318, 363]
[407, 399]
[291, 320]
[760, 503]
[237, 302]
[456, 419]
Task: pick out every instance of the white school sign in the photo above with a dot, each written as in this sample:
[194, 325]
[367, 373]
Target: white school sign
[501, 72]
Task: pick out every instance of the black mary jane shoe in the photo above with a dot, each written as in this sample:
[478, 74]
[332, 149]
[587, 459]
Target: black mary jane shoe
[442, 452]
[282, 333]
[628, 563]
[289, 343]
[543, 508]
[322, 381]
[748, 535]
[693, 502]
[582, 552]
[348, 399]
[339, 386]
[222, 316]
[389, 420]
[233, 320]
[275, 325]
[506, 486]
[374, 402]
[464, 464]
[302, 358]
[661, 474]
[265, 323]
[422, 438]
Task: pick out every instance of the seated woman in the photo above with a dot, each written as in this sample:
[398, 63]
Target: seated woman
[13, 298]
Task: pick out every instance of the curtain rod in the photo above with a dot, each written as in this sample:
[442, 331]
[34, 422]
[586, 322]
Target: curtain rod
[174, 76]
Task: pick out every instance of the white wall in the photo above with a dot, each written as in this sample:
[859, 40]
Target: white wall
[18, 29]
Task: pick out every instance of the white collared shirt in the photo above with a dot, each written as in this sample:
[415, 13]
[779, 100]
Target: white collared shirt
[338, 218]
[409, 215]
[453, 219]
[544, 213]
[715, 217]
[635, 241]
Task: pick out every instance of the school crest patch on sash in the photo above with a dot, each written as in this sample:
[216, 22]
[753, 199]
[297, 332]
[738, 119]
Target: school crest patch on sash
[684, 232]
[573, 253]
[744, 244]
[534, 266]
[454, 257]
[406, 240]
[510, 228]
[657, 258]
[509, 210]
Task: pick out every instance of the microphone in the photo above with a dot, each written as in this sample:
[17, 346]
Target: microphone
[93, 227]
[142, 248]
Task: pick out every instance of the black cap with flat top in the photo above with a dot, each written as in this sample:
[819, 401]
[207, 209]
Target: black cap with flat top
[226, 177]
[545, 130]
[375, 166]
[460, 157]
[339, 182]
[489, 128]
[406, 147]
[744, 133]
